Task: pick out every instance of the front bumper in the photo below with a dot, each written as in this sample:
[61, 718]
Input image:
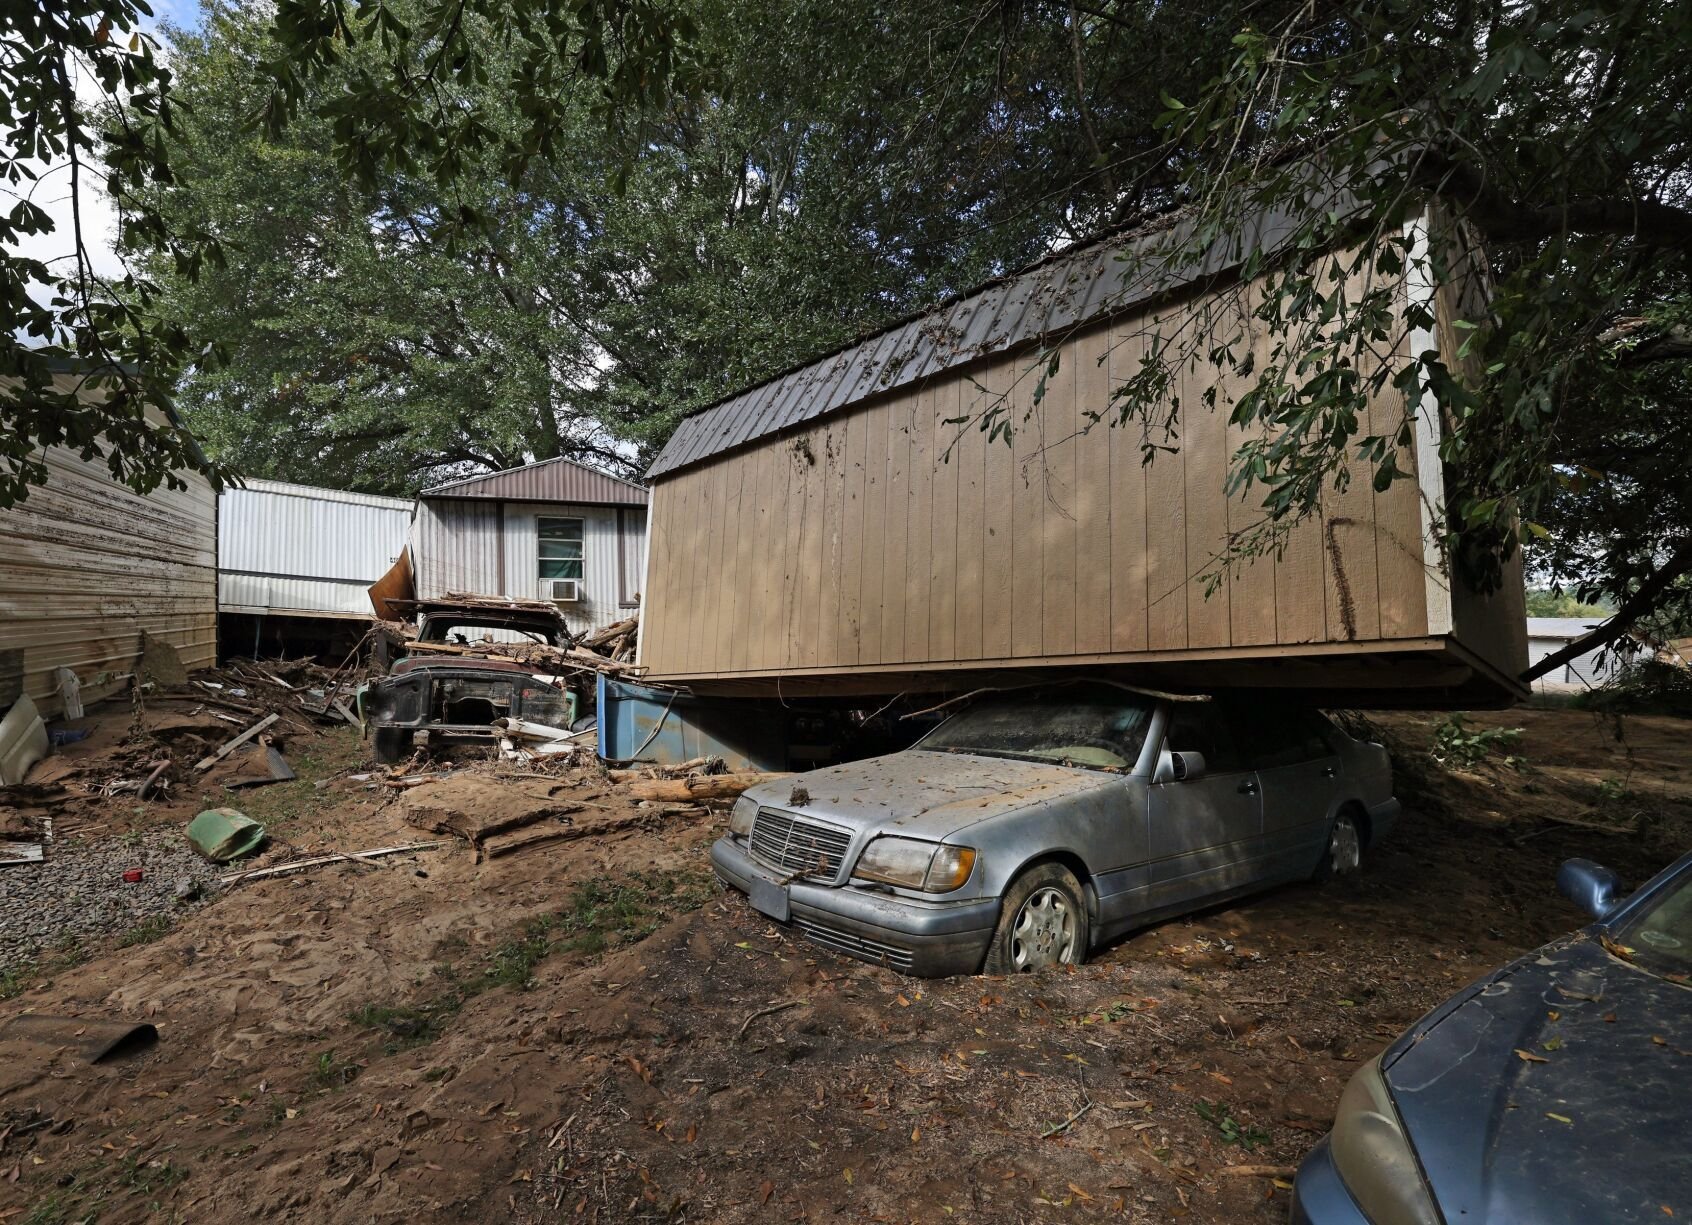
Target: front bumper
[925, 939]
[1319, 1197]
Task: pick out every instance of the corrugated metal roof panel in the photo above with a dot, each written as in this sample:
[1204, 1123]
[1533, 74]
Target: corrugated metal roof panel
[1064, 291]
[289, 489]
[550, 480]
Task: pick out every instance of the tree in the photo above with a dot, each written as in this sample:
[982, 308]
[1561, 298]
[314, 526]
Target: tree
[621, 56]
[1558, 135]
[840, 167]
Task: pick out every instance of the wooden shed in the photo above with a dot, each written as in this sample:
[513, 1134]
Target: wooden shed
[87, 565]
[836, 530]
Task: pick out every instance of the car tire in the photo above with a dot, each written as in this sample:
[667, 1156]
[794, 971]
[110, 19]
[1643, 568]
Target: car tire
[1043, 922]
[1344, 851]
[392, 744]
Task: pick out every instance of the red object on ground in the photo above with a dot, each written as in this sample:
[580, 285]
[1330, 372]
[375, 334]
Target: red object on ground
[132, 875]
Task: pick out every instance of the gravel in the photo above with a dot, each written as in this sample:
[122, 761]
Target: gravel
[79, 892]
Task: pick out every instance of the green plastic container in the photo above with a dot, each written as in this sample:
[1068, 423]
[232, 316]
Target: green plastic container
[223, 834]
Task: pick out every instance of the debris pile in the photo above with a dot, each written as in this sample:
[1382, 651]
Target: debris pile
[688, 782]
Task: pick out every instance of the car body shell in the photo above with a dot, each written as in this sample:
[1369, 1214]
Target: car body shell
[1142, 845]
[455, 698]
[1592, 1127]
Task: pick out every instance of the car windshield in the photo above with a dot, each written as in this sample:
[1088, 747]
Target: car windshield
[1100, 728]
[1661, 936]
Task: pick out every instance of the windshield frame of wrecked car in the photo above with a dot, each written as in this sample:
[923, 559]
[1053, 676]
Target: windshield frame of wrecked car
[1633, 934]
[1010, 727]
[436, 626]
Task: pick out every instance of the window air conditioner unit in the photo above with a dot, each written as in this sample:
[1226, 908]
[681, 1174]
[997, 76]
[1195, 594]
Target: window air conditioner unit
[566, 590]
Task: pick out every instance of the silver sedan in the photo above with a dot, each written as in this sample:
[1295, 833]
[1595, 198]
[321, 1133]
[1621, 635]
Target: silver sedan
[1037, 824]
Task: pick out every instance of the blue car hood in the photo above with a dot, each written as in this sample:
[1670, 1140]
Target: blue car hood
[1599, 1132]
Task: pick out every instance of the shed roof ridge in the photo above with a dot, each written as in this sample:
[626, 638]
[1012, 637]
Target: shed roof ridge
[482, 477]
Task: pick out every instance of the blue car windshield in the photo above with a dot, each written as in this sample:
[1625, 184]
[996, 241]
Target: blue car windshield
[1101, 729]
[1661, 936]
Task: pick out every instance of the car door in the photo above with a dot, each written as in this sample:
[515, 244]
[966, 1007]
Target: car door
[1298, 770]
[1201, 831]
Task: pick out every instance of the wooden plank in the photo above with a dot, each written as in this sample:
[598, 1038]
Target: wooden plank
[1351, 590]
[829, 627]
[765, 628]
[850, 629]
[899, 413]
[207, 762]
[943, 549]
[969, 456]
[1251, 587]
[1058, 416]
[918, 546]
[812, 546]
[1026, 577]
[752, 604]
[793, 452]
[1089, 355]
[1129, 590]
[1166, 517]
[698, 533]
[1400, 573]
[875, 533]
[735, 576]
[720, 549]
[999, 470]
[1204, 446]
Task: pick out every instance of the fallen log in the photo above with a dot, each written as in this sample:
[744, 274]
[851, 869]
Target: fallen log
[699, 787]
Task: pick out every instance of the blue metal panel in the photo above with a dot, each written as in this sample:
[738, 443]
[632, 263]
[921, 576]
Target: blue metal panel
[664, 728]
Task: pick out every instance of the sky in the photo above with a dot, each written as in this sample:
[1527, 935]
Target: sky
[51, 189]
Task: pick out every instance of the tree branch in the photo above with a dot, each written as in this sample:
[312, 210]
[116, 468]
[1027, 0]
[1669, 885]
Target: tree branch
[1507, 219]
[1633, 608]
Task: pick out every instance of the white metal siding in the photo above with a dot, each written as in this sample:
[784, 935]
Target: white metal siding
[459, 543]
[87, 564]
[293, 548]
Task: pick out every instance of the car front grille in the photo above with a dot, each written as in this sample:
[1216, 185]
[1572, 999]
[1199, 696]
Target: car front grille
[804, 847]
[851, 945]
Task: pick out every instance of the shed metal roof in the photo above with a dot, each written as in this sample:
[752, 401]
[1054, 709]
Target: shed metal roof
[1073, 287]
[550, 480]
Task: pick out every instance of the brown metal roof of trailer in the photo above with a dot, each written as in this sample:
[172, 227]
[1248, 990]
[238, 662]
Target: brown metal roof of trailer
[550, 480]
[1060, 292]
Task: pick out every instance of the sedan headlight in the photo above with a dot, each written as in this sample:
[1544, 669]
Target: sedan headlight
[1374, 1157]
[914, 864]
[741, 816]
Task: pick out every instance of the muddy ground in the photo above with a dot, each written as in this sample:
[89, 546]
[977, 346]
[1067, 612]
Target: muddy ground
[588, 1030]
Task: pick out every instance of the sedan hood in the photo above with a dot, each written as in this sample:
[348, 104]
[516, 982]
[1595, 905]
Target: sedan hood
[1596, 1132]
[925, 794]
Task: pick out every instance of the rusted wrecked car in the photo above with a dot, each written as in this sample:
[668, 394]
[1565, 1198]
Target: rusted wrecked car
[473, 660]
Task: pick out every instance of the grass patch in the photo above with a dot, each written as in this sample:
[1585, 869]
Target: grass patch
[283, 804]
[149, 1177]
[1232, 1131]
[1456, 743]
[154, 927]
[328, 1072]
[602, 913]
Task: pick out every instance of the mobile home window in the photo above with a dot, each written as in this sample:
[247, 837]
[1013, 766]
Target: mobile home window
[560, 547]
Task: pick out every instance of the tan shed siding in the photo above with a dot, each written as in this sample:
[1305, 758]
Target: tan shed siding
[87, 564]
[896, 538]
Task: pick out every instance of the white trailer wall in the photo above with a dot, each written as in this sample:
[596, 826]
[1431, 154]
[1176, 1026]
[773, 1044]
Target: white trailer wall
[296, 550]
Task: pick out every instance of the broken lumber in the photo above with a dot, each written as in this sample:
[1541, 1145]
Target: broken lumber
[207, 763]
[318, 860]
[699, 787]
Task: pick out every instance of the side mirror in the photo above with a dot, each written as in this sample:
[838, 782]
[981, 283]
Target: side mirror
[1178, 767]
[1592, 887]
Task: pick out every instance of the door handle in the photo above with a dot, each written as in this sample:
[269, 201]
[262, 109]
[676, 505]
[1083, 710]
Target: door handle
[1329, 772]
[1249, 787]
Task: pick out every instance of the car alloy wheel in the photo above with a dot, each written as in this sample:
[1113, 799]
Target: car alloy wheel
[1345, 848]
[1044, 931]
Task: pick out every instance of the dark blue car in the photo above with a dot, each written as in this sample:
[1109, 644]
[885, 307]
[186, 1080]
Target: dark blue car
[1558, 1089]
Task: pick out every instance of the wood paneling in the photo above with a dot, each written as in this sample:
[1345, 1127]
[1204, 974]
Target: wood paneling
[895, 536]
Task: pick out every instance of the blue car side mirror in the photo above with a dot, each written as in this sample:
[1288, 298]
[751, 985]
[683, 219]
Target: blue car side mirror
[1591, 886]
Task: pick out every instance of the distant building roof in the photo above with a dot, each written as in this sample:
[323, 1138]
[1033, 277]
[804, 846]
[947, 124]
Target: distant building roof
[550, 480]
[1566, 628]
[291, 490]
